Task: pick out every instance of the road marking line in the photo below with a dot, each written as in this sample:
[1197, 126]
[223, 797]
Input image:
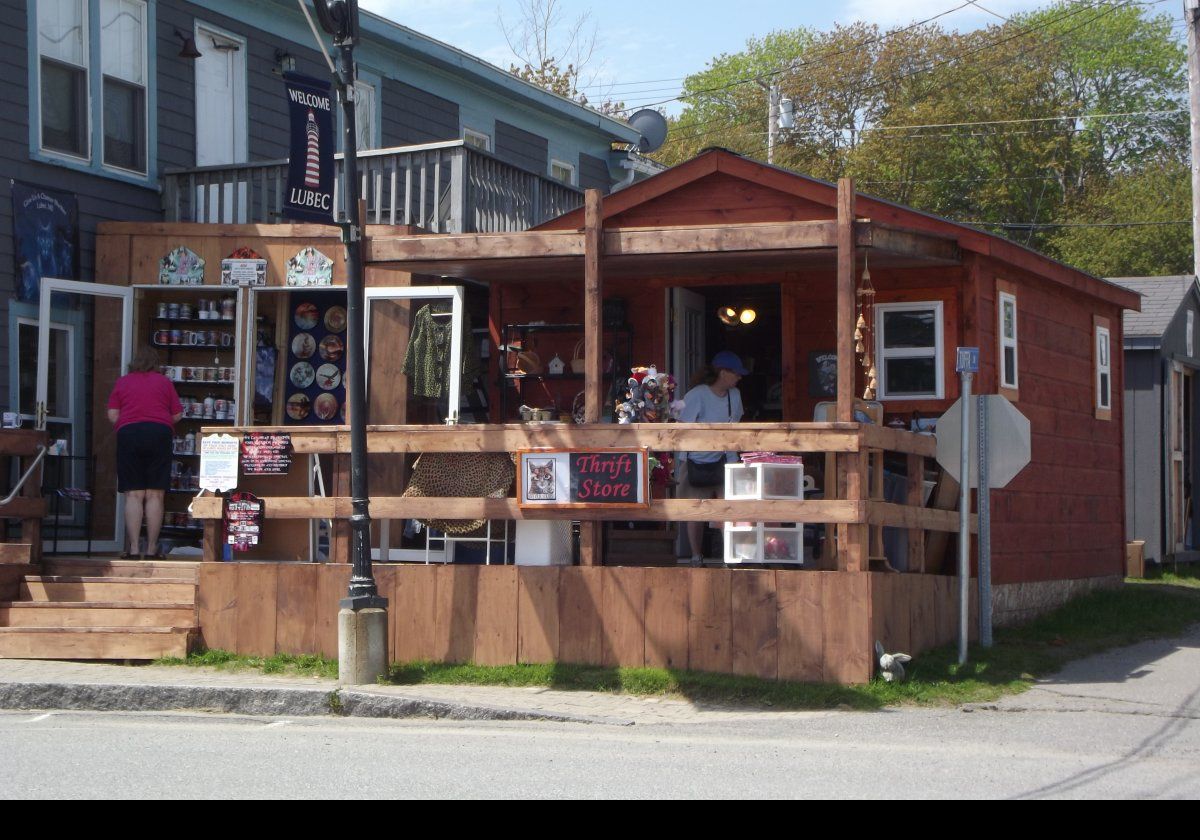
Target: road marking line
[277, 723]
[39, 718]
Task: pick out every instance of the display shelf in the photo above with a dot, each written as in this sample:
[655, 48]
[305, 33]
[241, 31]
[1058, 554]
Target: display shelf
[168, 346]
[516, 337]
[193, 320]
[763, 542]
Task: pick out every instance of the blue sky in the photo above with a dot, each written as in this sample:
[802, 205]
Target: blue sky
[644, 49]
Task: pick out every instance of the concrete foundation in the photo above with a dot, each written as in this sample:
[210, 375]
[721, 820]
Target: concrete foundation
[1016, 603]
[362, 646]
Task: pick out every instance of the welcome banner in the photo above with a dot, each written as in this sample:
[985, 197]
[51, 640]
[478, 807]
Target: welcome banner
[309, 196]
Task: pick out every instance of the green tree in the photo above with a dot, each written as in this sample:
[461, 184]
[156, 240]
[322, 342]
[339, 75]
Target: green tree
[1159, 196]
[1027, 122]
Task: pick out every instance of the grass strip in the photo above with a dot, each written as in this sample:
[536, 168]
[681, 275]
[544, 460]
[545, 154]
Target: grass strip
[306, 665]
[1161, 607]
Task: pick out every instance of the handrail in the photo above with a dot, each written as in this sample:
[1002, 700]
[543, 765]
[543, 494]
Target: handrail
[20, 484]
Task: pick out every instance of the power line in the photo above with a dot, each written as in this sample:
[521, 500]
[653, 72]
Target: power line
[1023, 225]
[1107, 9]
[793, 66]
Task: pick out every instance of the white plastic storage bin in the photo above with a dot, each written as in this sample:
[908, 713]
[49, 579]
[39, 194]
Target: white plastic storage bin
[742, 544]
[783, 545]
[764, 481]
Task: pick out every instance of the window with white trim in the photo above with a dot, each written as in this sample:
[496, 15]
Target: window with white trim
[564, 172]
[62, 27]
[909, 350]
[1007, 330]
[477, 139]
[1103, 370]
[123, 61]
[364, 114]
[69, 75]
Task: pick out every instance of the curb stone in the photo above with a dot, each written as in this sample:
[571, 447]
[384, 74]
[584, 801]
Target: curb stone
[275, 702]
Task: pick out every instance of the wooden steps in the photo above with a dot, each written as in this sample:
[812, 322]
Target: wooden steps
[122, 568]
[82, 608]
[67, 588]
[94, 642]
[95, 614]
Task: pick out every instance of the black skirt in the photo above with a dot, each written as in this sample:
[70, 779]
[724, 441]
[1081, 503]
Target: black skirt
[144, 457]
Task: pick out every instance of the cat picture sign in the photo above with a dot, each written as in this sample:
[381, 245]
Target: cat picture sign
[595, 478]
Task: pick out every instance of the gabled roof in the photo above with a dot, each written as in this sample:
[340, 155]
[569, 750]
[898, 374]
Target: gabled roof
[808, 195]
[1161, 299]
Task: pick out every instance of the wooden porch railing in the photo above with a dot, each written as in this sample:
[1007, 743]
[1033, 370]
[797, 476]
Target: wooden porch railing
[850, 442]
[24, 446]
[447, 187]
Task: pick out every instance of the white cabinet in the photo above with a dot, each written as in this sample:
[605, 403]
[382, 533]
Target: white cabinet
[764, 542]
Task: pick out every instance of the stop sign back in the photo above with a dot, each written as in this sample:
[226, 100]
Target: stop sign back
[1008, 440]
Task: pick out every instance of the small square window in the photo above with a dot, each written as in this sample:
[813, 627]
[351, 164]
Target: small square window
[477, 139]
[564, 172]
[909, 358]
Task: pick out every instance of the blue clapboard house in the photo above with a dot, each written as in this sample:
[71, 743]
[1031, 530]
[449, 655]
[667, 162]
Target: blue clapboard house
[173, 111]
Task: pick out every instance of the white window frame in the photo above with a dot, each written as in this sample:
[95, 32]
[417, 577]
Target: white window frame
[1103, 351]
[145, 86]
[1007, 381]
[483, 140]
[35, 70]
[570, 167]
[93, 161]
[939, 350]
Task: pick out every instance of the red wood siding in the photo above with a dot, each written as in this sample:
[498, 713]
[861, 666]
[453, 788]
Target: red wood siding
[1063, 516]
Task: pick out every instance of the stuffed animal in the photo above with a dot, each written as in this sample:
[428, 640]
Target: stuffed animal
[891, 665]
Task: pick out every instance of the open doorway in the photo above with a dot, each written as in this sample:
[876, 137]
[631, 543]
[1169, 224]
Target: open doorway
[744, 319]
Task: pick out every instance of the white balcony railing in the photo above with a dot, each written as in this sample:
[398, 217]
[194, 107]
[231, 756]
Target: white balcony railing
[445, 187]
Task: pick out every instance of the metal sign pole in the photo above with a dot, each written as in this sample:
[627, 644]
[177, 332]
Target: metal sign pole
[985, 529]
[964, 521]
[967, 365]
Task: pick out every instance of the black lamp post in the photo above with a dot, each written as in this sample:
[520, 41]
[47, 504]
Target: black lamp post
[340, 19]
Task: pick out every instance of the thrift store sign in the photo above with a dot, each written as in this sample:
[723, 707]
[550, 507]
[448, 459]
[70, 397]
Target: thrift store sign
[309, 196]
[602, 478]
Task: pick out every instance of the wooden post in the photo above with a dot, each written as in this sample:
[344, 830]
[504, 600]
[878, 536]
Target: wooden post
[593, 294]
[853, 538]
[915, 497]
[590, 533]
[852, 466]
[846, 361]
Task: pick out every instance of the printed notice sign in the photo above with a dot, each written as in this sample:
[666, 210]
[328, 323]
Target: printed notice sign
[593, 478]
[218, 462]
[243, 520]
[266, 453]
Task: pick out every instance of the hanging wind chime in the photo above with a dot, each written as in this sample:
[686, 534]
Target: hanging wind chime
[863, 329]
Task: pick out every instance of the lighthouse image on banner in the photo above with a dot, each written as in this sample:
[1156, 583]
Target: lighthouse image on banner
[312, 165]
[309, 194]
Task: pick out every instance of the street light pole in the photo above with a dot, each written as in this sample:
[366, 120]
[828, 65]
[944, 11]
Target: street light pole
[362, 620]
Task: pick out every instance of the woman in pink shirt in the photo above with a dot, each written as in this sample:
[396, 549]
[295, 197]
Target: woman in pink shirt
[144, 407]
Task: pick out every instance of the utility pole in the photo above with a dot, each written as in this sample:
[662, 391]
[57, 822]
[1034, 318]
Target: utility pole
[362, 619]
[1191, 16]
[773, 119]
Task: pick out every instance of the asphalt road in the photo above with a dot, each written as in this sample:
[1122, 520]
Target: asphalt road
[1126, 724]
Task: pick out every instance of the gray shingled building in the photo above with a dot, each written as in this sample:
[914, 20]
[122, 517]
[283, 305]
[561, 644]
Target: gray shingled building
[1161, 360]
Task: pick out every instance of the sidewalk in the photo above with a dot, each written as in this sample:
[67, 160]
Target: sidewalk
[44, 684]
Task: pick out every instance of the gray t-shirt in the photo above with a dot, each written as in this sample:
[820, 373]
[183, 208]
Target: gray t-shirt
[701, 405]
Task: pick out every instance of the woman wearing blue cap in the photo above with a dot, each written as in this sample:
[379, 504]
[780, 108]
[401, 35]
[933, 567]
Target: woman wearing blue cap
[715, 400]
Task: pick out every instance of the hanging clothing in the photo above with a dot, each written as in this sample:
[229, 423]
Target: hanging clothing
[427, 360]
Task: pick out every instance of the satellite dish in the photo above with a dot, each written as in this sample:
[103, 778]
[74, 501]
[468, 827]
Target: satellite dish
[653, 128]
